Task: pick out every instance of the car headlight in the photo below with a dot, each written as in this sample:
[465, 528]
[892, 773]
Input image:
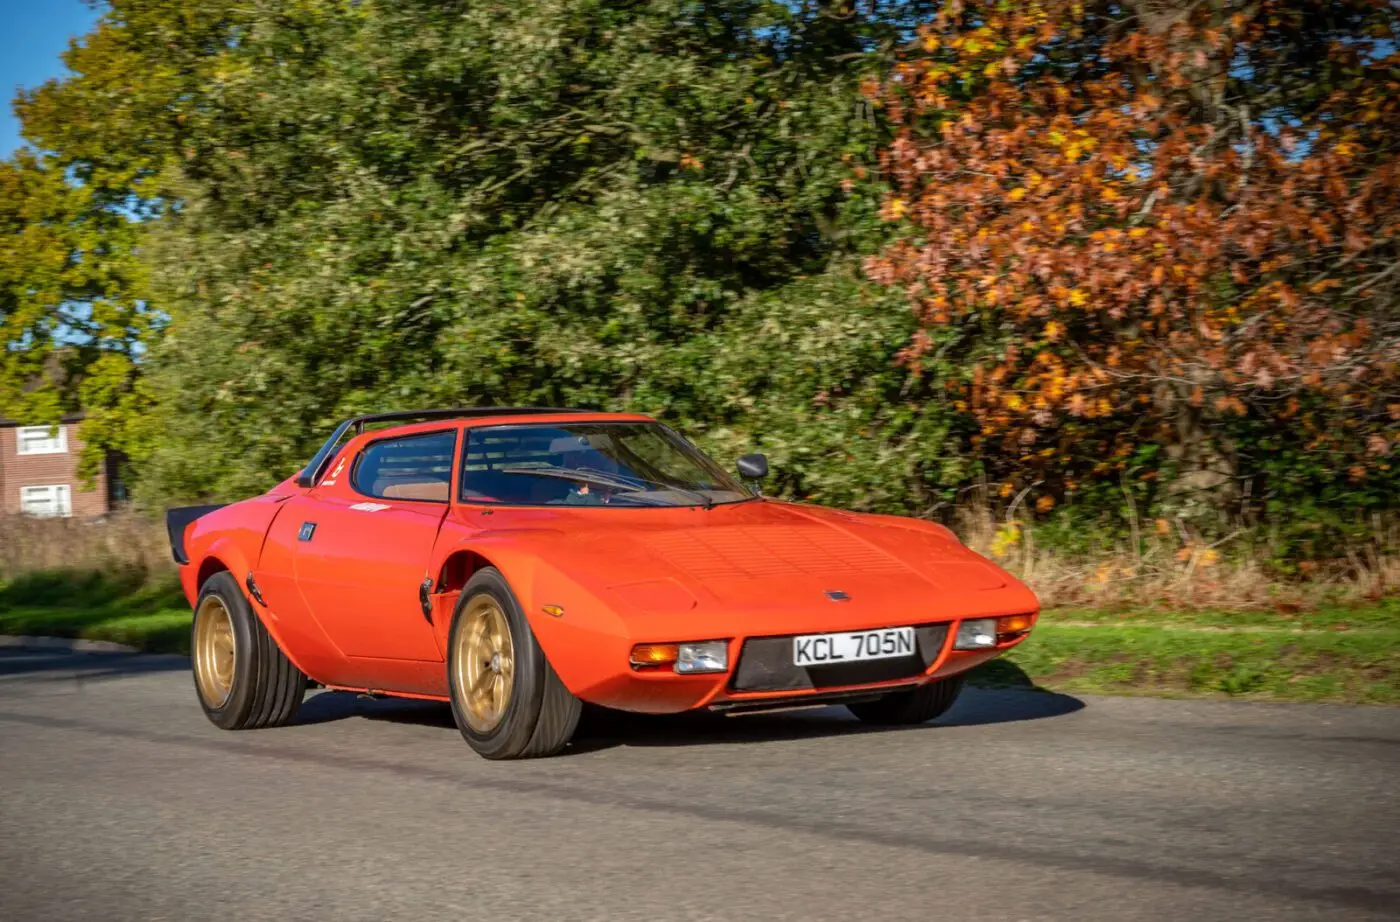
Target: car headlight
[978, 634]
[710, 656]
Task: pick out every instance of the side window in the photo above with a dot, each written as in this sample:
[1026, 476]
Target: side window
[413, 467]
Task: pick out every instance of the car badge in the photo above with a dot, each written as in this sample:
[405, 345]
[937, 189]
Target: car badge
[836, 595]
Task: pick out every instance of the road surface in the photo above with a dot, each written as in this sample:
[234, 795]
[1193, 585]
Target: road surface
[119, 801]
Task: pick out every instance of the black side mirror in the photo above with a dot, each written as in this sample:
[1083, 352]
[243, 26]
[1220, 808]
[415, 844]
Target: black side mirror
[753, 467]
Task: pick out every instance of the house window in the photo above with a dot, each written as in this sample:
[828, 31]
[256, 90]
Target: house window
[42, 440]
[52, 499]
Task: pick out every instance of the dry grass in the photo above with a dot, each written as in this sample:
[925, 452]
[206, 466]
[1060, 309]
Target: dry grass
[1172, 569]
[126, 541]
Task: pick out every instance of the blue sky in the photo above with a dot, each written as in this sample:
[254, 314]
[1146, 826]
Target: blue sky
[33, 33]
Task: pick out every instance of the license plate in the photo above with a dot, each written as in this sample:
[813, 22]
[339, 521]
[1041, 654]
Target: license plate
[826, 649]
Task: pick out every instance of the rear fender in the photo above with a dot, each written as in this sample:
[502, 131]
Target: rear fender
[234, 534]
[226, 555]
[231, 538]
[177, 522]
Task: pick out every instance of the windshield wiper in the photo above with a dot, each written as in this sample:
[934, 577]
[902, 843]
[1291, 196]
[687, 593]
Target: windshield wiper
[705, 499]
[579, 474]
[630, 483]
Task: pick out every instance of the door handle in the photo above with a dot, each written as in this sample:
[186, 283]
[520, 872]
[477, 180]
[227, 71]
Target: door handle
[425, 590]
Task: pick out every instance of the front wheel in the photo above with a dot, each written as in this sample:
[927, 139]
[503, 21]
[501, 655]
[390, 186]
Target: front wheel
[506, 698]
[914, 706]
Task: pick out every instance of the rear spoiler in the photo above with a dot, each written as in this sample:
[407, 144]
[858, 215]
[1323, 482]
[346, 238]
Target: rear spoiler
[177, 520]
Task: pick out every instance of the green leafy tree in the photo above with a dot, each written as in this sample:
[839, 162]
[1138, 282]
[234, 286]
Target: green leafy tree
[72, 322]
[74, 310]
[615, 205]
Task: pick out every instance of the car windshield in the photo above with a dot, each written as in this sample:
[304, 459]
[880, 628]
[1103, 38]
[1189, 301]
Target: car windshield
[591, 464]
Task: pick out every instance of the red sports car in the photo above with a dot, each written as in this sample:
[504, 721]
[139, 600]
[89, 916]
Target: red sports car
[520, 562]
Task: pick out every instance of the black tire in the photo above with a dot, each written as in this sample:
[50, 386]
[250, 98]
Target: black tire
[266, 689]
[541, 714]
[915, 706]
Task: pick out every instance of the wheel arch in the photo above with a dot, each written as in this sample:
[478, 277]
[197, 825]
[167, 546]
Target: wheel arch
[459, 567]
[208, 567]
[221, 555]
[206, 563]
[448, 580]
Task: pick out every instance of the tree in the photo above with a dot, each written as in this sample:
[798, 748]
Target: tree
[69, 317]
[75, 314]
[397, 204]
[1157, 224]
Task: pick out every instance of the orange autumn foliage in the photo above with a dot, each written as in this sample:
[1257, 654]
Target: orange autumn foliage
[1154, 222]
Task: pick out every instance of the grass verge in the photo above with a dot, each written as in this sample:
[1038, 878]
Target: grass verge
[129, 606]
[1344, 654]
[1341, 654]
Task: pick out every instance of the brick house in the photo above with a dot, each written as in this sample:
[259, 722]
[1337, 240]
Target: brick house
[39, 472]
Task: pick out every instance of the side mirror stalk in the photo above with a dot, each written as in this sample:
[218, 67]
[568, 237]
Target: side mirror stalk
[753, 467]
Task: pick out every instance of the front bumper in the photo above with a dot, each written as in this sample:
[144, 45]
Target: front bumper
[762, 676]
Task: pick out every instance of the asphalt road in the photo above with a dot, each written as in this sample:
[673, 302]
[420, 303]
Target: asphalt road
[119, 801]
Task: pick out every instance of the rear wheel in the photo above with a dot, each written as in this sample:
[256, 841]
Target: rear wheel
[915, 706]
[506, 698]
[243, 679]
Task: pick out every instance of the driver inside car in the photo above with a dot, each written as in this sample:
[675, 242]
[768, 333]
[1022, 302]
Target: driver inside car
[580, 454]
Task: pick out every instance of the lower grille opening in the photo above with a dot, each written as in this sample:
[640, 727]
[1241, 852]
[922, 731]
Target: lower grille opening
[765, 664]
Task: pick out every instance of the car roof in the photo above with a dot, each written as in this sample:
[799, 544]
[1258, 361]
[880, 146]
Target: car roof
[433, 420]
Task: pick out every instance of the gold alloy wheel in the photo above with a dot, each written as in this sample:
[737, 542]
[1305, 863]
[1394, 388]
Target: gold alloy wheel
[484, 664]
[214, 652]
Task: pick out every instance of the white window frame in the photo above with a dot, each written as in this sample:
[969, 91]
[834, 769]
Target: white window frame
[53, 440]
[59, 499]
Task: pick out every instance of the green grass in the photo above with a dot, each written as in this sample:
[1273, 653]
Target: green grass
[1333, 660]
[145, 611]
[1340, 654]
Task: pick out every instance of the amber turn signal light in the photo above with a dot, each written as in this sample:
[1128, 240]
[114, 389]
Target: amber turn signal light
[1012, 625]
[655, 654]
